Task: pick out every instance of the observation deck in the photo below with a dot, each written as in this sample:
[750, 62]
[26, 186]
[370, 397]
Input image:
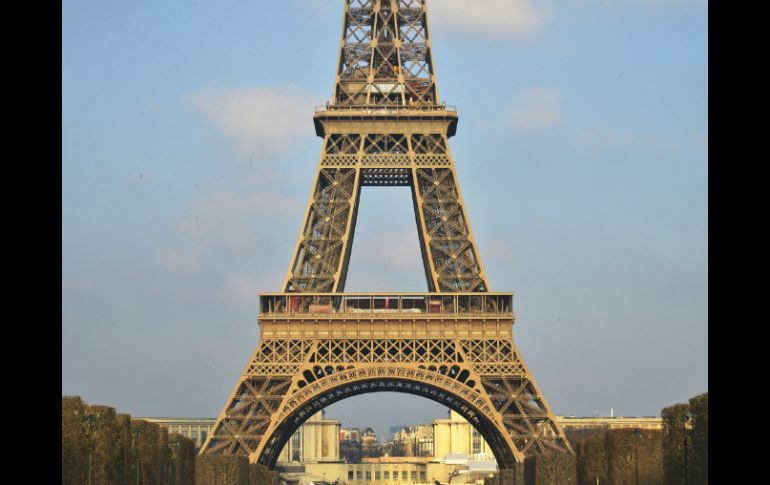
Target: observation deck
[386, 118]
[386, 315]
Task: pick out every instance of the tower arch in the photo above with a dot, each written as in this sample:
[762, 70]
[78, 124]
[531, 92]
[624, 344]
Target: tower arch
[430, 385]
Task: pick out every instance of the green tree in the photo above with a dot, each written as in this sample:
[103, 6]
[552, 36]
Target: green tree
[591, 459]
[621, 456]
[261, 475]
[73, 441]
[183, 463]
[221, 470]
[699, 412]
[104, 455]
[124, 450]
[634, 452]
[674, 435]
[149, 457]
[550, 469]
[650, 457]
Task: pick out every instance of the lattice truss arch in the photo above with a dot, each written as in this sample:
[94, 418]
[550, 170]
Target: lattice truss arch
[283, 376]
[385, 58]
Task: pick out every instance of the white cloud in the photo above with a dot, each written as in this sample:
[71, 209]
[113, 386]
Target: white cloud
[259, 119]
[242, 287]
[656, 3]
[393, 247]
[497, 250]
[536, 109]
[599, 136]
[666, 2]
[224, 221]
[497, 18]
[488, 17]
[219, 251]
[321, 6]
[700, 139]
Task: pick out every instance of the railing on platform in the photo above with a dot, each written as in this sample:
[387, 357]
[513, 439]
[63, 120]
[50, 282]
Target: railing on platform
[386, 304]
[375, 108]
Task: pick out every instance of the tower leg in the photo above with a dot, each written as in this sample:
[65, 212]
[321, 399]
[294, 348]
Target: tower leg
[323, 248]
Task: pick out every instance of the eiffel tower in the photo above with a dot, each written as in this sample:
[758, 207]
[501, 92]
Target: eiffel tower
[386, 126]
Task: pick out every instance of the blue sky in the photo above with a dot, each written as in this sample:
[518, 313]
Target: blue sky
[188, 154]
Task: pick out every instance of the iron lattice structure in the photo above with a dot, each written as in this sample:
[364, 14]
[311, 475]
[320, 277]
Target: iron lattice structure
[386, 126]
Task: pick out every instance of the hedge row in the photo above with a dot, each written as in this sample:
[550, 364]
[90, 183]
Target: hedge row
[510, 476]
[546, 469]
[634, 456]
[618, 456]
[699, 412]
[610, 457]
[591, 455]
[550, 469]
[685, 426]
[231, 470]
[613, 457]
[125, 451]
[122, 451]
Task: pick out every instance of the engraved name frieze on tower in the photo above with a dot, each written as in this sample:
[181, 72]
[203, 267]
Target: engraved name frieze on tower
[386, 126]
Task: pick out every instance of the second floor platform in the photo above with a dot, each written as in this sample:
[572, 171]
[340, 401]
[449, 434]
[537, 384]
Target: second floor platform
[386, 306]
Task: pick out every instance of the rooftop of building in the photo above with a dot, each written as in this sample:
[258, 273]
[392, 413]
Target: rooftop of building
[398, 459]
[413, 428]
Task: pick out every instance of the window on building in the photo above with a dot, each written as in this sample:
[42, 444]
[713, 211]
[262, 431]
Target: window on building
[368, 474]
[350, 474]
[404, 476]
[358, 474]
[476, 445]
[414, 475]
[204, 435]
[386, 475]
[195, 435]
[422, 476]
[376, 474]
[296, 447]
